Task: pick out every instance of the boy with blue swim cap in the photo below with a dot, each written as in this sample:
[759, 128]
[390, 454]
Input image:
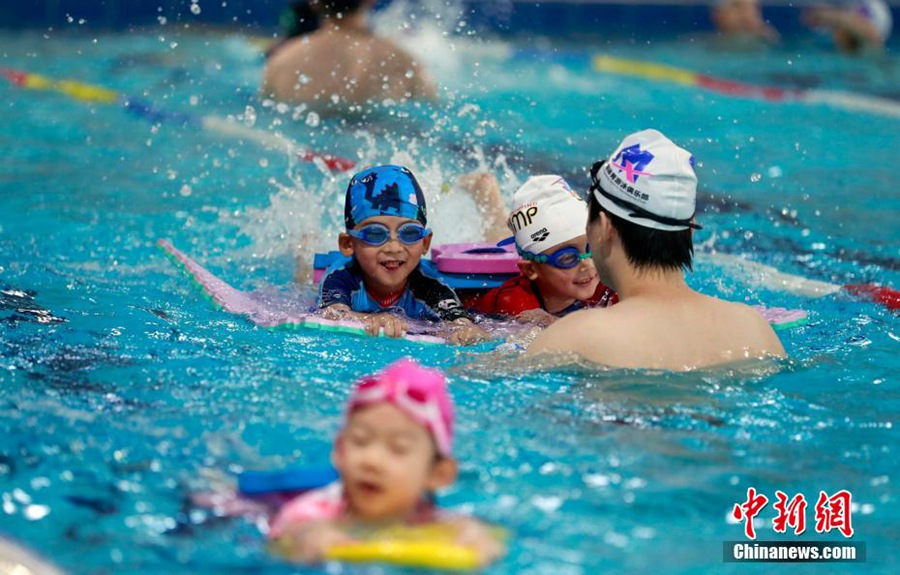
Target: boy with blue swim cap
[382, 279]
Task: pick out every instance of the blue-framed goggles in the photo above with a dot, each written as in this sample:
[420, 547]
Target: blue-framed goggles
[379, 234]
[563, 258]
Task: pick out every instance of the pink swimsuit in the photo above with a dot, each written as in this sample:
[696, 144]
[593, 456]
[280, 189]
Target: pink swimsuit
[323, 503]
[329, 503]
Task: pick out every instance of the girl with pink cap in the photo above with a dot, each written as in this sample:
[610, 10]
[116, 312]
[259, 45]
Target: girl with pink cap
[393, 453]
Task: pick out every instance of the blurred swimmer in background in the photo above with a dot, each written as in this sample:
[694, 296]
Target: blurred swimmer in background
[336, 61]
[741, 20]
[855, 26]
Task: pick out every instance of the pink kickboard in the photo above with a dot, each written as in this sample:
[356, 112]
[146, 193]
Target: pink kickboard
[778, 316]
[475, 258]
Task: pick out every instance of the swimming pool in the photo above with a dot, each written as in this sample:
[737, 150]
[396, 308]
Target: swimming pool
[123, 390]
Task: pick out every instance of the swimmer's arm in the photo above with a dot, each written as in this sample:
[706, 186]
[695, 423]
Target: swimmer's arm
[309, 542]
[464, 331]
[482, 538]
[537, 316]
[485, 190]
[423, 86]
[303, 273]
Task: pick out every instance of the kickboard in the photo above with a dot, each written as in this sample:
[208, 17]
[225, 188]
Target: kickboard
[273, 311]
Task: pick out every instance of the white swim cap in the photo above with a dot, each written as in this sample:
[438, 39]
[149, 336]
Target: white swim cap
[547, 213]
[876, 12]
[649, 181]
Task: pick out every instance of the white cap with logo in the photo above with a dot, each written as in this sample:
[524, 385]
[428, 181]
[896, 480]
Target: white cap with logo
[648, 181]
[547, 213]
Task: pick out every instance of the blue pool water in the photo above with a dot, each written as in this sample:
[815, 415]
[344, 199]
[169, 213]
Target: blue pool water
[123, 390]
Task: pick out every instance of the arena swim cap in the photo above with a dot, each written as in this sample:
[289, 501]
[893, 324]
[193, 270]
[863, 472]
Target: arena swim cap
[547, 213]
[384, 191]
[648, 181]
[419, 392]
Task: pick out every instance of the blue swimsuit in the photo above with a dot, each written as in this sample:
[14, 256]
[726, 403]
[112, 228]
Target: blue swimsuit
[426, 295]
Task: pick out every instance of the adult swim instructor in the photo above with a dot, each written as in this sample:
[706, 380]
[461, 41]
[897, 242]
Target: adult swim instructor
[640, 221]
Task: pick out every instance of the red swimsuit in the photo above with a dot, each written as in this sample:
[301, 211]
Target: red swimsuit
[519, 294]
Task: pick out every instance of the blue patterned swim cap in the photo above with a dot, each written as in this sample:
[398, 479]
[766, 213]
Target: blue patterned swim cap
[384, 191]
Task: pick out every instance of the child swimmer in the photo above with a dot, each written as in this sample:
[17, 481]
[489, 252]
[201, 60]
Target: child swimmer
[557, 275]
[383, 273]
[394, 451]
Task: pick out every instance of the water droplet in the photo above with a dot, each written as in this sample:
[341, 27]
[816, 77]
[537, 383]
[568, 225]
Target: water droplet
[250, 116]
[36, 512]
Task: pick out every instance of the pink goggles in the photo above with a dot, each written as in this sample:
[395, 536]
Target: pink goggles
[419, 392]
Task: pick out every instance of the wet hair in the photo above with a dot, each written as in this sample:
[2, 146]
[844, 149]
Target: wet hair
[299, 19]
[303, 17]
[331, 8]
[647, 247]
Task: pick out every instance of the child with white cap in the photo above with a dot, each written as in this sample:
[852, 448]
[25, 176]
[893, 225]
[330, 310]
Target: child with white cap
[557, 275]
[640, 227]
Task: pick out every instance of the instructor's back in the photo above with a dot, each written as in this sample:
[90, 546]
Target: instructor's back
[640, 228]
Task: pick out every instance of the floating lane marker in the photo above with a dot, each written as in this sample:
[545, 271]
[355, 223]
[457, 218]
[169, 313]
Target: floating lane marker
[664, 73]
[775, 279]
[141, 108]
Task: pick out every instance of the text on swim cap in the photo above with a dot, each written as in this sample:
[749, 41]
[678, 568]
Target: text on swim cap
[521, 218]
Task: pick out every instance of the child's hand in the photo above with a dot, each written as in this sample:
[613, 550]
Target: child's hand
[392, 325]
[466, 333]
[481, 538]
[386, 323]
[536, 316]
[308, 543]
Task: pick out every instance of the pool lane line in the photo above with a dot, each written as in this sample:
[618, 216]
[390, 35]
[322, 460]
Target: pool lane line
[778, 280]
[664, 73]
[141, 108]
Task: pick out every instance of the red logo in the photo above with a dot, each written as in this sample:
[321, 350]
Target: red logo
[832, 512]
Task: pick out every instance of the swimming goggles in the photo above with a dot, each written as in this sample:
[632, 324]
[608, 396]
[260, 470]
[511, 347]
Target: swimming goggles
[563, 258]
[380, 234]
[416, 402]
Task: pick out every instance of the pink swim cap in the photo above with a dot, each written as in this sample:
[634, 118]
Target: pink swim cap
[419, 392]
